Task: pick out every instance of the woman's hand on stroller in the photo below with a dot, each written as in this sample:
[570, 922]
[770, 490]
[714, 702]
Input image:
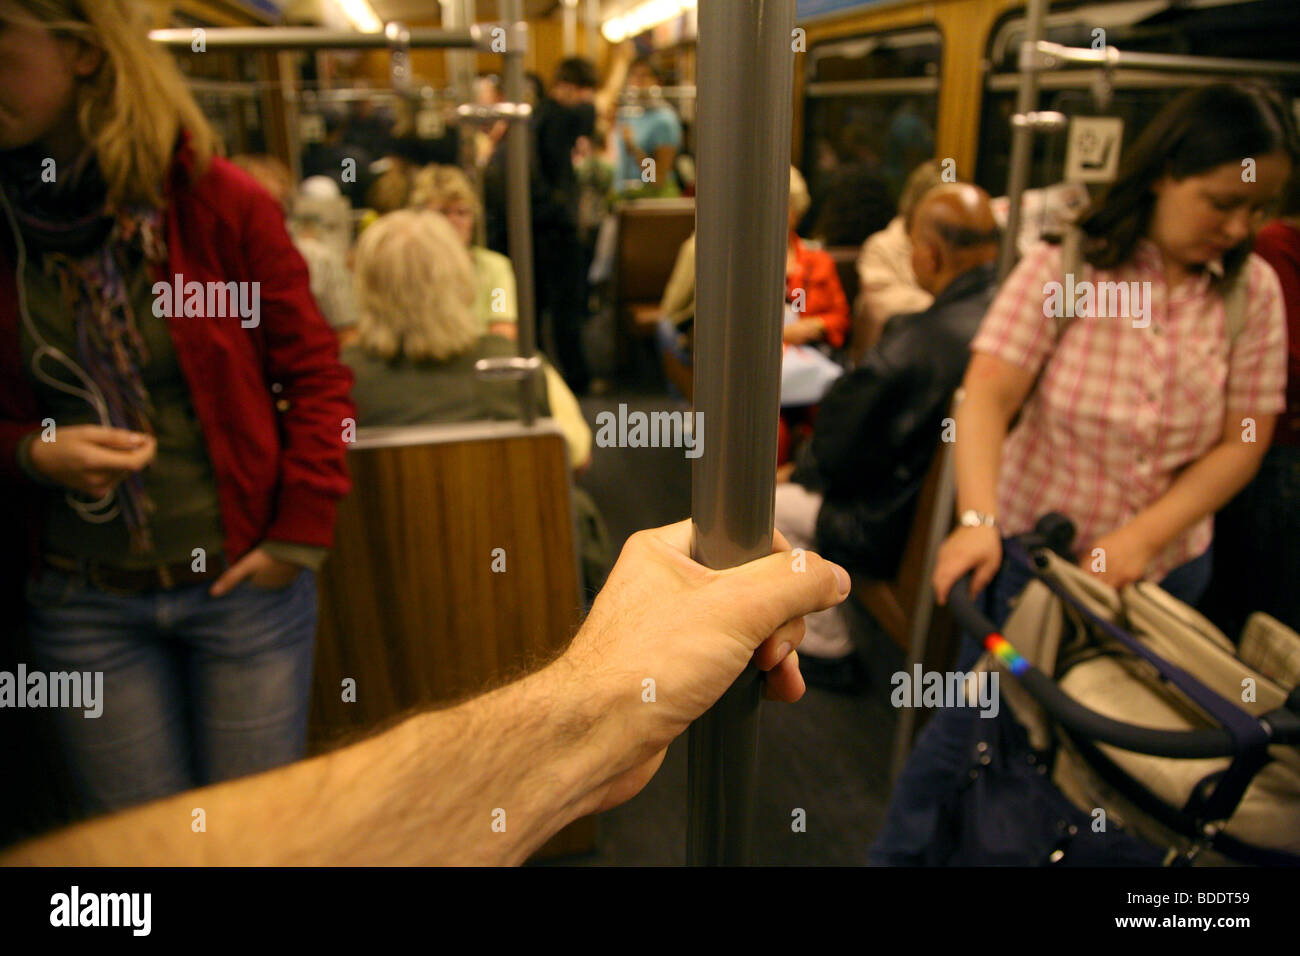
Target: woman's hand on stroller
[1119, 558]
[967, 549]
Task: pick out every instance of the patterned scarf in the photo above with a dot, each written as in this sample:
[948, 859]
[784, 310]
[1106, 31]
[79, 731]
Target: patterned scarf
[92, 254]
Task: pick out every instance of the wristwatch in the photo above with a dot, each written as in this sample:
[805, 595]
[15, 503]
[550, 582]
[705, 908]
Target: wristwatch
[977, 519]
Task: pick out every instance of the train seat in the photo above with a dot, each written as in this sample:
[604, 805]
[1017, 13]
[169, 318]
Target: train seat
[454, 569]
[896, 605]
[650, 232]
[846, 265]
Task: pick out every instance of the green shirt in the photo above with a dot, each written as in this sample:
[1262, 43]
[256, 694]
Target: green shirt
[494, 299]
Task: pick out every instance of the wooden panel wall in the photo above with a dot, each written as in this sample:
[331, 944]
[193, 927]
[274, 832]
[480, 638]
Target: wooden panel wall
[411, 607]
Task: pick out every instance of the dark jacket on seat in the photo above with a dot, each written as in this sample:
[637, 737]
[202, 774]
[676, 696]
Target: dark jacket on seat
[403, 392]
[879, 425]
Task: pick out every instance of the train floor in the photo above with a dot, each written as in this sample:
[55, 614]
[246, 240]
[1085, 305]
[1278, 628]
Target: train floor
[827, 755]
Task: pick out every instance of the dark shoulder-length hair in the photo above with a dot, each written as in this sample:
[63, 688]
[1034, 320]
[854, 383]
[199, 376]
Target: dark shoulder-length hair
[1202, 128]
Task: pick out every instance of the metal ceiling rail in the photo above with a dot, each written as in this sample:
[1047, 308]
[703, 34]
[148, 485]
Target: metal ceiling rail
[1022, 136]
[1052, 55]
[478, 37]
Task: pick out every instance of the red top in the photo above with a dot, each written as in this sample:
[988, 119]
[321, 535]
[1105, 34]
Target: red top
[279, 475]
[823, 295]
[1278, 244]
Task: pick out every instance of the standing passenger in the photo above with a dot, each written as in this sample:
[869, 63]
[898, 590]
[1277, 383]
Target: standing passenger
[174, 509]
[1134, 425]
[647, 139]
[1257, 536]
[560, 279]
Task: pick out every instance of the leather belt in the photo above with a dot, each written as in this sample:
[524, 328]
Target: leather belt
[162, 577]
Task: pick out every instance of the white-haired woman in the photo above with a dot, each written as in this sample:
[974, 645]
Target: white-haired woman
[419, 336]
[169, 514]
[419, 340]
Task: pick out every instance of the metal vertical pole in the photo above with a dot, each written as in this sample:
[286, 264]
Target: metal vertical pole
[459, 15]
[1022, 134]
[569, 19]
[746, 83]
[593, 28]
[519, 216]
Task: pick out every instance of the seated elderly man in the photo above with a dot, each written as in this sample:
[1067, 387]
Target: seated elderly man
[855, 491]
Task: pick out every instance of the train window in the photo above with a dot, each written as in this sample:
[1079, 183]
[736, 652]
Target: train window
[869, 119]
[1238, 29]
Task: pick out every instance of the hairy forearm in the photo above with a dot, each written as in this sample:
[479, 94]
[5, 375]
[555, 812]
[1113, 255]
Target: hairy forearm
[1202, 489]
[486, 782]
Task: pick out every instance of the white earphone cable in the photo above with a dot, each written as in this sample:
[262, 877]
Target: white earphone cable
[104, 509]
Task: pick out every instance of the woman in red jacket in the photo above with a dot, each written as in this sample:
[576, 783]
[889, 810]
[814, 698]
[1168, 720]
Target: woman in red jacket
[820, 311]
[172, 414]
[812, 284]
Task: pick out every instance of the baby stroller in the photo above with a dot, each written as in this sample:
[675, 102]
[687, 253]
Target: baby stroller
[1132, 733]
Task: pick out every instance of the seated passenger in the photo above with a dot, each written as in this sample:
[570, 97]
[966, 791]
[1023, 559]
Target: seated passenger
[676, 328]
[816, 309]
[812, 284]
[879, 425]
[888, 284]
[419, 337]
[817, 315]
[419, 340]
[320, 223]
[447, 190]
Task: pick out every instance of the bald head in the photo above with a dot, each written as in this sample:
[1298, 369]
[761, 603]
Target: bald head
[952, 231]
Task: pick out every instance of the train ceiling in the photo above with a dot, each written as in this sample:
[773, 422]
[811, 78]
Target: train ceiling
[428, 11]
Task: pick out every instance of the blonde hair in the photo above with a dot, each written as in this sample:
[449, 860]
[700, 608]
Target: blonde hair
[134, 106]
[435, 186]
[799, 199]
[415, 288]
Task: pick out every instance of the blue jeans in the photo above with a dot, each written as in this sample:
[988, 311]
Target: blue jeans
[196, 689]
[666, 339]
[941, 755]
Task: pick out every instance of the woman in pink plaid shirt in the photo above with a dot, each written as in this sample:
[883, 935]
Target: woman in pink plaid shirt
[1137, 426]
[1137, 423]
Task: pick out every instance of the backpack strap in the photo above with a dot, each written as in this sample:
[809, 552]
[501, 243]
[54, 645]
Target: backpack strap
[1234, 293]
[1071, 264]
[1234, 304]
